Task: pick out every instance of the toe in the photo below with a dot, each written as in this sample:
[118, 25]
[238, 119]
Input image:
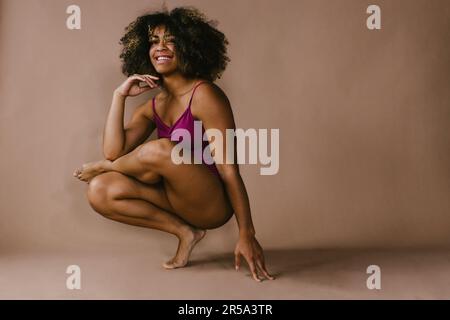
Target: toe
[171, 264]
[168, 265]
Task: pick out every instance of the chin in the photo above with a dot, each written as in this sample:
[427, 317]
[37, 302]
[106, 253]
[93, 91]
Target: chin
[165, 71]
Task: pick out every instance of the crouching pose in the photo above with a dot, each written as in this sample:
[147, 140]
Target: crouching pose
[180, 53]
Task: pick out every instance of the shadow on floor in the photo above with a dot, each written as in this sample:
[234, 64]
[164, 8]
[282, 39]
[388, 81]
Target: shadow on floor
[283, 262]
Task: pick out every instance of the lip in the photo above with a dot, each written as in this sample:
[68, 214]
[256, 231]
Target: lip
[166, 58]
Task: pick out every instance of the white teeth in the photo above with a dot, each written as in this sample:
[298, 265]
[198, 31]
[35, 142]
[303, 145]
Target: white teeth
[162, 58]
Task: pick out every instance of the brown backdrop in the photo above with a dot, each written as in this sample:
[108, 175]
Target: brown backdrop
[364, 120]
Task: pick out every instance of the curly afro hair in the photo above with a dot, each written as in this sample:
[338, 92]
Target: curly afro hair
[201, 49]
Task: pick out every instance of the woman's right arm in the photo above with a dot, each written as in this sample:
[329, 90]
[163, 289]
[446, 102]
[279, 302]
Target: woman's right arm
[118, 140]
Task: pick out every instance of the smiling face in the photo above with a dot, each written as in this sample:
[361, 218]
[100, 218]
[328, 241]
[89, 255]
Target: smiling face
[162, 51]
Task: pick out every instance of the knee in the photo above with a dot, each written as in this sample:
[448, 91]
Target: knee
[99, 194]
[155, 153]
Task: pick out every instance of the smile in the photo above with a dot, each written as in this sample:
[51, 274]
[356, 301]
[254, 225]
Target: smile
[163, 59]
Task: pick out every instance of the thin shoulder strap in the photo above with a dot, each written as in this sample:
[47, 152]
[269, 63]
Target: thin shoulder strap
[155, 116]
[195, 88]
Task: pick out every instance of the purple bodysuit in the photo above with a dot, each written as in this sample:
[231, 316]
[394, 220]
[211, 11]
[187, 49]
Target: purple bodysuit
[186, 121]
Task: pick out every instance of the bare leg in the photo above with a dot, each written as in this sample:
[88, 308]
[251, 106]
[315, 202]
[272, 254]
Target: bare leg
[125, 200]
[195, 195]
[127, 164]
[194, 192]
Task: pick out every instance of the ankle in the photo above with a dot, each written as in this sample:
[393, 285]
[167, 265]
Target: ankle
[185, 232]
[106, 165]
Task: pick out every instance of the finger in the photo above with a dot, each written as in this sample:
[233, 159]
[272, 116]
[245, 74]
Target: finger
[143, 79]
[148, 81]
[137, 77]
[251, 264]
[262, 267]
[237, 261]
[265, 270]
[153, 77]
[151, 84]
[144, 83]
[154, 85]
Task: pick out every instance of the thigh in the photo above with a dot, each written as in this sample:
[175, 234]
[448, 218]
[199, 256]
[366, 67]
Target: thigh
[196, 194]
[115, 185]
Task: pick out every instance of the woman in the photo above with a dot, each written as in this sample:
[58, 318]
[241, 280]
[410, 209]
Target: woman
[181, 53]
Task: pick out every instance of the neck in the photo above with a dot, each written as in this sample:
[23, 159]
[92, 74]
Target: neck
[176, 84]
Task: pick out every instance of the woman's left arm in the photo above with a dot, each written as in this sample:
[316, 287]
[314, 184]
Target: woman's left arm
[213, 109]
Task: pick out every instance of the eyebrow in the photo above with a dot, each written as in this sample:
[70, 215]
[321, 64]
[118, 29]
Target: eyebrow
[157, 36]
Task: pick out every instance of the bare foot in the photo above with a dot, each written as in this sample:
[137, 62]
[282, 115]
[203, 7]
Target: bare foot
[91, 169]
[185, 246]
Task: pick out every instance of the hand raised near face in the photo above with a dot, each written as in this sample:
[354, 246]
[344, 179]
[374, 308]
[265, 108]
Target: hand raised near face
[131, 86]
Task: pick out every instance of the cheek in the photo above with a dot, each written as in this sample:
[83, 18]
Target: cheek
[172, 49]
[152, 49]
[150, 52]
[175, 56]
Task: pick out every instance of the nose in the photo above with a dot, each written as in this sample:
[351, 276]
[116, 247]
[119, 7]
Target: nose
[161, 44]
[159, 49]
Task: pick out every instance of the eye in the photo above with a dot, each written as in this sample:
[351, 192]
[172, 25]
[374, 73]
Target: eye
[170, 39]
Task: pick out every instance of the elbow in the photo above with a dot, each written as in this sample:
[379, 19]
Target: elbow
[111, 156]
[228, 172]
[112, 152]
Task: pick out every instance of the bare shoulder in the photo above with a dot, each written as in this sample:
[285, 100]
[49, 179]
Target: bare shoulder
[144, 110]
[209, 97]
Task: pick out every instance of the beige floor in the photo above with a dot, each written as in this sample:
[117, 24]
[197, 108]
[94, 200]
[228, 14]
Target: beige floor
[323, 274]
